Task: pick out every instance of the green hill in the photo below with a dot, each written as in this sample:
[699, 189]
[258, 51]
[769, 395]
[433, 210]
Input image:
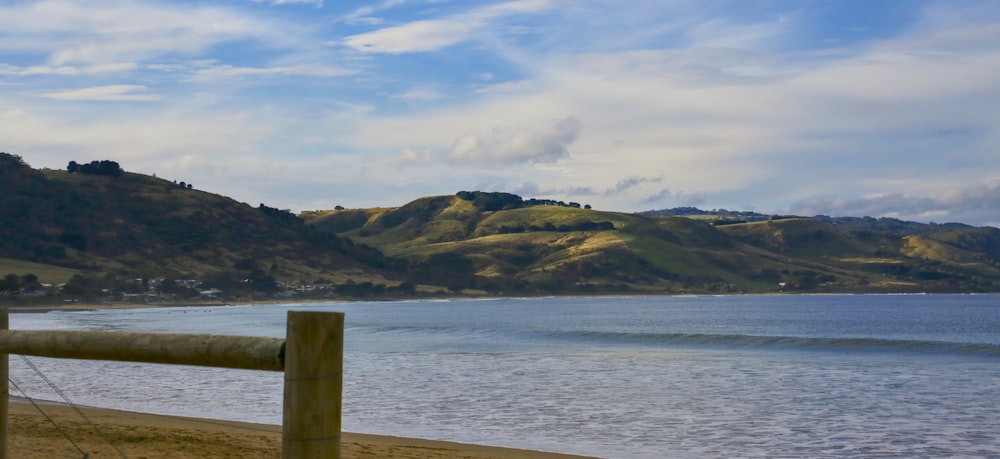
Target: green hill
[127, 226]
[99, 228]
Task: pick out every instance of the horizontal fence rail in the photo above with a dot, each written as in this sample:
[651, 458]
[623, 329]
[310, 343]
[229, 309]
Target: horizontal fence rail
[241, 352]
[314, 347]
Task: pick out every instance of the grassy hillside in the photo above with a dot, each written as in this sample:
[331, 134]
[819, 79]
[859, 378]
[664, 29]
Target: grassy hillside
[54, 223]
[494, 241]
[800, 238]
[907, 262]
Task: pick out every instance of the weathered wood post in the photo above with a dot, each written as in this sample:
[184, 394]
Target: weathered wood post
[314, 349]
[311, 356]
[5, 390]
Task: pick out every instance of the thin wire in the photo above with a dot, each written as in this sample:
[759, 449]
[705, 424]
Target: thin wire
[73, 405]
[46, 416]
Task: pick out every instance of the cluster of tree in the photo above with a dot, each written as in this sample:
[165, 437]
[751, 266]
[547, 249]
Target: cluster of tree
[493, 201]
[11, 161]
[83, 287]
[12, 284]
[285, 216]
[552, 202]
[184, 185]
[104, 167]
[549, 226]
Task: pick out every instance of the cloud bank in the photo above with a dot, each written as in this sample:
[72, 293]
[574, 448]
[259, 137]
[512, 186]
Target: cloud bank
[971, 203]
[804, 107]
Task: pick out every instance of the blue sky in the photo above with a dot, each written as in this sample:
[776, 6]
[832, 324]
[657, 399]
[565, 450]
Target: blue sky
[860, 107]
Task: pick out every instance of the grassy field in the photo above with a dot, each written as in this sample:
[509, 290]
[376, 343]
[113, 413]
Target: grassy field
[47, 274]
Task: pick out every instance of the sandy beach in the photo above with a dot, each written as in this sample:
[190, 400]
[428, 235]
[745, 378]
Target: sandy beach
[138, 435]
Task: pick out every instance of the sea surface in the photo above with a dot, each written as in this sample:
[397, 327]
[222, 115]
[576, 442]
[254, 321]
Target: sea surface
[862, 376]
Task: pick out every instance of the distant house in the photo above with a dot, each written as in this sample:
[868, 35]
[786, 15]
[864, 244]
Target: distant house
[136, 297]
[187, 283]
[210, 293]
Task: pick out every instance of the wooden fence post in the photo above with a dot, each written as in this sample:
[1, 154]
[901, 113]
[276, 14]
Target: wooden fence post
[4, 388]
[314, 349]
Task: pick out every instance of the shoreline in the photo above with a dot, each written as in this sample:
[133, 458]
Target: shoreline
[32, 436]
[96, 306]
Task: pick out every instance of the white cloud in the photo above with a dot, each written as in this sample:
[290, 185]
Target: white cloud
[112, 93]
[436, 34]
[412, 37]
[543, 144]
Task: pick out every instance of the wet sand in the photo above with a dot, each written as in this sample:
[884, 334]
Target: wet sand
[147, 436]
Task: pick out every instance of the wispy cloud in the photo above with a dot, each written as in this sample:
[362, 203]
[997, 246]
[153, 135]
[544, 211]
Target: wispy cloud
[436, 34]
[364, 14]
[232, 72]
[88, 32]
[674, 198]
[631, 182]
[412, 37]
[113, 93]
[6, 69]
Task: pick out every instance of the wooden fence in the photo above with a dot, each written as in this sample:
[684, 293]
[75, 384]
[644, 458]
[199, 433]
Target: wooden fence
[311, 356]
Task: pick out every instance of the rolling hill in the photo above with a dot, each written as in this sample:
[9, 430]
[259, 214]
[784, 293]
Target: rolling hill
[127, 226]
[101, 228]
[519, 246]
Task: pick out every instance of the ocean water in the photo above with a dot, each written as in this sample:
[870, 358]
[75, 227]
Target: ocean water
[621, 377]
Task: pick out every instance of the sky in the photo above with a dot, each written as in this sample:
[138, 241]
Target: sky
[882, 108]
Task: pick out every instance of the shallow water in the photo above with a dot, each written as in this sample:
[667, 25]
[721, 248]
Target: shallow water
[637, 377]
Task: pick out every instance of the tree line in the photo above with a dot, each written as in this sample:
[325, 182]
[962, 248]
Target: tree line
[489, 201]
[104, 167]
